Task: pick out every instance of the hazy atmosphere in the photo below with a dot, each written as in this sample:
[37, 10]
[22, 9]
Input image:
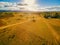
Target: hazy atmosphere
[29, 22]
[30, 5]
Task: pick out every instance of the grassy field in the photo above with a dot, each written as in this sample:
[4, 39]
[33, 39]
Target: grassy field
[29, 29]
[55, 23]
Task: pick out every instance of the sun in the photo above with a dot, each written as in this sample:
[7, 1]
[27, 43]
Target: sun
[29, 1]
[31, 5]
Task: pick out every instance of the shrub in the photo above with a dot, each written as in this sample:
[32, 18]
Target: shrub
[6, 15]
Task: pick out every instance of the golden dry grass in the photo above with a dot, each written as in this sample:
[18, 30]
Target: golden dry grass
[28, 32]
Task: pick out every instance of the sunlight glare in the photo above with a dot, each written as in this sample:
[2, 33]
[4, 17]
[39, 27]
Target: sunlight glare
[31, 5]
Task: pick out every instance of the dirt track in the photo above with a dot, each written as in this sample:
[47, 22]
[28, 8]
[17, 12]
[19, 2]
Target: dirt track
[29, 33]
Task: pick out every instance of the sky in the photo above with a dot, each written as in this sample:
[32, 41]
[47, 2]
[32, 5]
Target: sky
[33, 5]
[48, 2]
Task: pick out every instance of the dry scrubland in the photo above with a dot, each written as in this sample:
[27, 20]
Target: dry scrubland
[29, 28]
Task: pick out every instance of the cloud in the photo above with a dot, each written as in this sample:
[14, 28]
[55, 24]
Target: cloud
[8, 6]
[26, 7]
[55, 8]
[5, 4]
[12, 6]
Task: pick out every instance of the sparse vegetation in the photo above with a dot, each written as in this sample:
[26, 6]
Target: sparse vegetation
[51, 15]
[6, 15]
[37, 32]
[2, 23]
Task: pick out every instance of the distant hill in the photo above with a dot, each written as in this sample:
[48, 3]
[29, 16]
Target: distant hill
[9, 11]
[24, 11]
